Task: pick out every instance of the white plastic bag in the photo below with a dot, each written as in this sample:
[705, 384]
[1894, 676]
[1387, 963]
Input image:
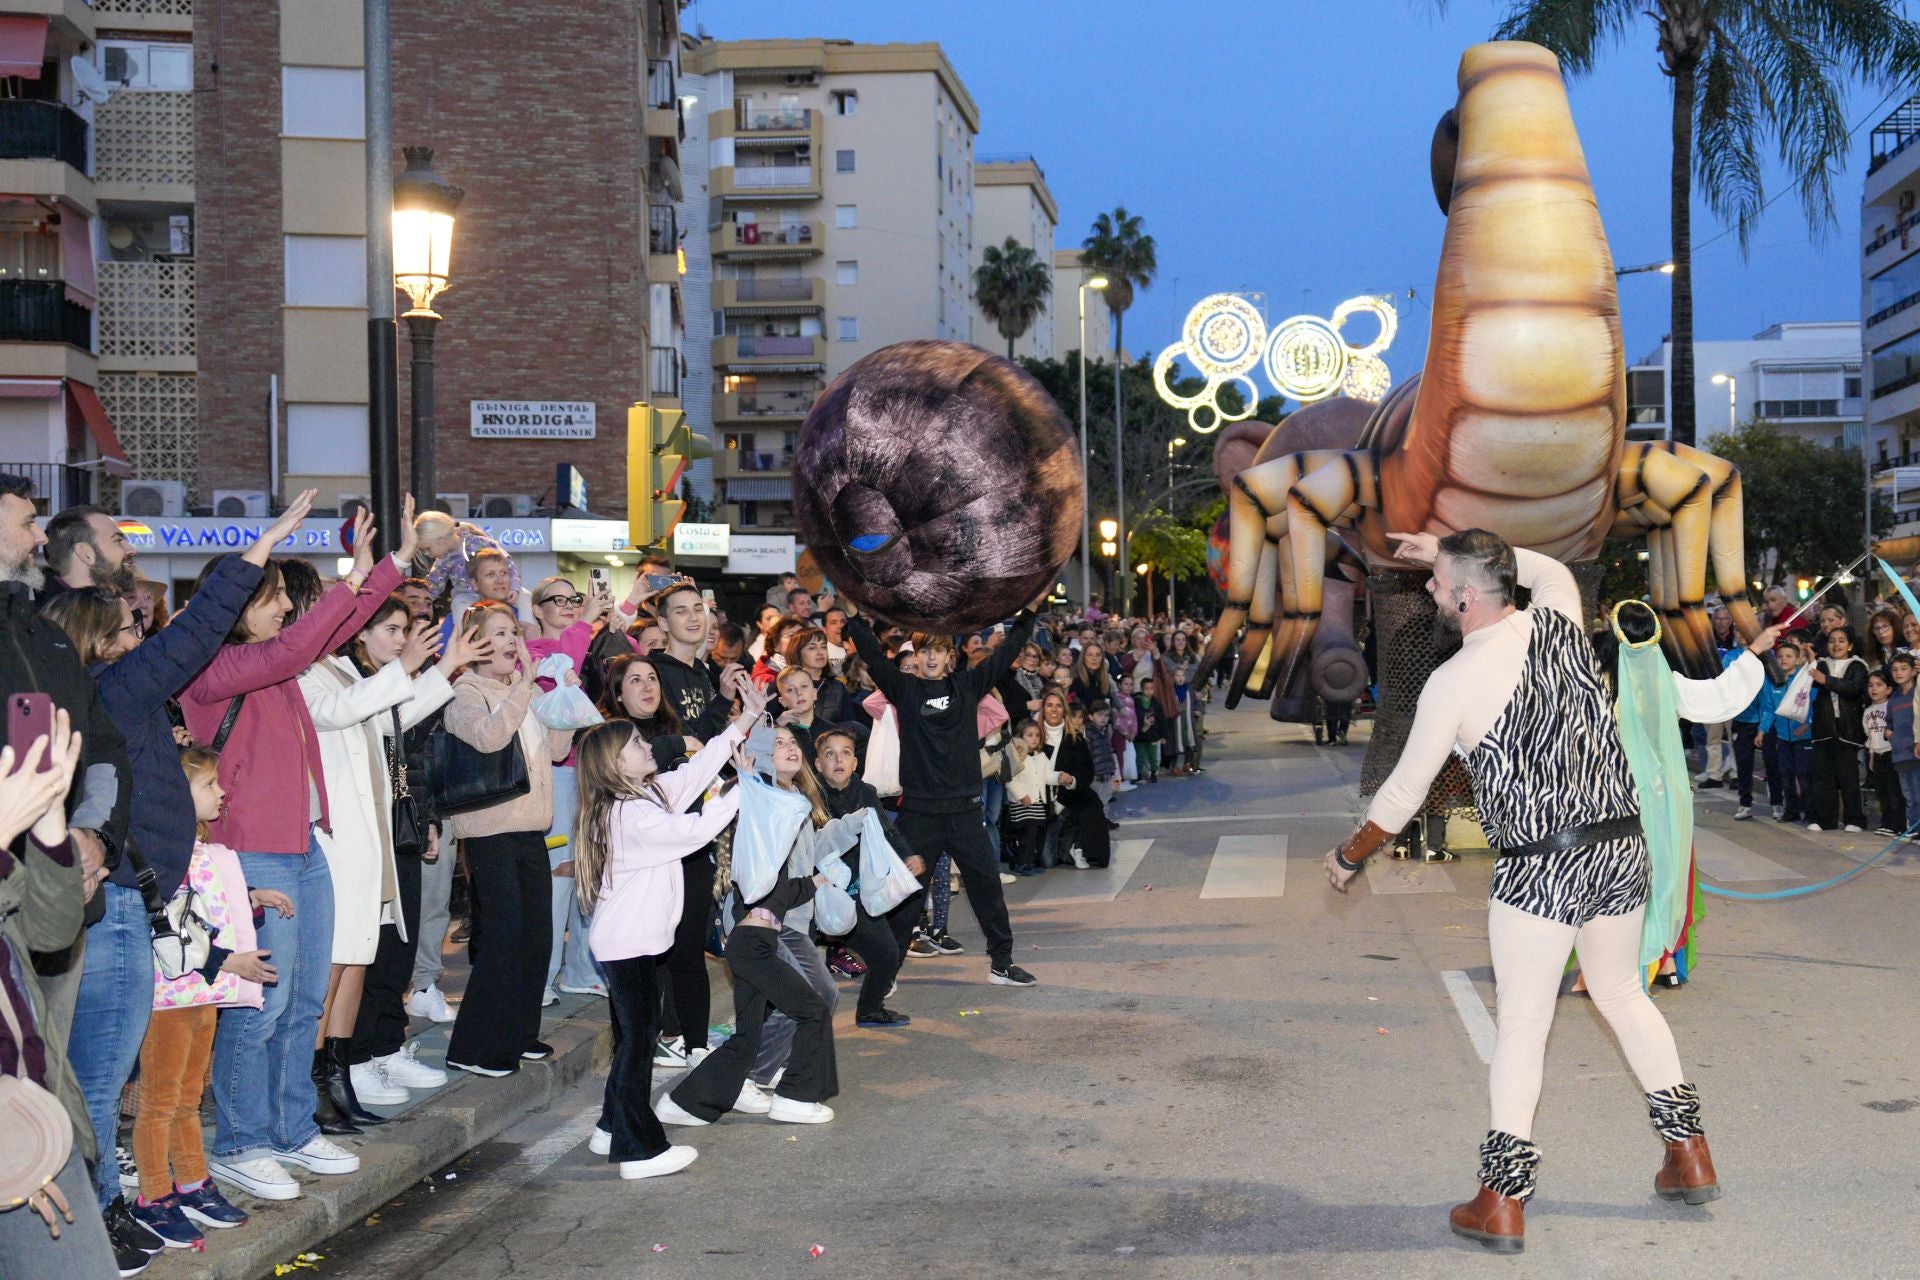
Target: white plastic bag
[883, 755]
[833, 911]
[763, 838]
[1130, 764]
[1796, 703]
[564, 706]
[885, 882]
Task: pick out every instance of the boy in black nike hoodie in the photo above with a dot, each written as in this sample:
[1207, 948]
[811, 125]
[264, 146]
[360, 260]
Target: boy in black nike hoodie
[940, 771]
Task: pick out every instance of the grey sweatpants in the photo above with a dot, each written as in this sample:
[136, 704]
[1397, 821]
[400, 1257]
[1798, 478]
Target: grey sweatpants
[436, 890]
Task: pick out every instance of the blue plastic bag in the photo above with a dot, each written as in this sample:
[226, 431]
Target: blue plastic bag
[763, 839]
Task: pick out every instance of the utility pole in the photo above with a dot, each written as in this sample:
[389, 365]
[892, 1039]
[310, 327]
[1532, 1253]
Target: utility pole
[383, 378]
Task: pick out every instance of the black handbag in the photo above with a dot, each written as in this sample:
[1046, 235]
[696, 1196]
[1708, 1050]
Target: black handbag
[409, 833]
[466, 778]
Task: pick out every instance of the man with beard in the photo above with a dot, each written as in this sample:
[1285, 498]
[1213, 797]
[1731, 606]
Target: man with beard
[85, 548]
[1523, 704]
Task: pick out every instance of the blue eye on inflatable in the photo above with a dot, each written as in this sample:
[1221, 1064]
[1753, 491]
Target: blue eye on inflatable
[938, 486]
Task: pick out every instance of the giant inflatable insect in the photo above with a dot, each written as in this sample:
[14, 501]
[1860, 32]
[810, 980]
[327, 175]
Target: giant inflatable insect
[1517, 424]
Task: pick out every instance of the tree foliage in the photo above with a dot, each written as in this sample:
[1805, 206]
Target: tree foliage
[1174, 550]
[1012, 286]
[1804, 502]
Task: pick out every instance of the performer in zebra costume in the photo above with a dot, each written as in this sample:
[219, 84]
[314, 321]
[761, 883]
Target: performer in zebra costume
[1523, 704]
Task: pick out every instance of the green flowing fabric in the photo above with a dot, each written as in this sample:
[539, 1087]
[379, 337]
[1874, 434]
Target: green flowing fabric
[1650, 732]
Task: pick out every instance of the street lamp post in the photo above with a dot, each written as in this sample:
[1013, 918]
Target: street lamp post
[1664, 268]
[423, 206]
[1095, 282]
[1172, 444]
[1733, 399]
[1109, 529]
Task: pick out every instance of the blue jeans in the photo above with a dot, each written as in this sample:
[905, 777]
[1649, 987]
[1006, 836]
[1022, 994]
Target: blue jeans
[993, 798]
[110, 1020]
[569, 926]
[1909, 774]
[263, 1058]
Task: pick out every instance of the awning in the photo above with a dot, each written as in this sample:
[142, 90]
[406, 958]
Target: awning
[771, 308]
[29, 388]
[761, 369]
[113, 457]
[76, 255]
[23, 46]
[760, 489]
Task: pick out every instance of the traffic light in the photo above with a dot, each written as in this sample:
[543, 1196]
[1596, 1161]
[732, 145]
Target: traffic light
[1804, 588]
[659, 446]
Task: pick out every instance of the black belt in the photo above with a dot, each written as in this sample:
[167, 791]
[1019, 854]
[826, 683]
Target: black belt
[1578, 837]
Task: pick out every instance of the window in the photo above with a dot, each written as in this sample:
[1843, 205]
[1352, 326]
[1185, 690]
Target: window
[29, 251]
[843, 161]
[846, 216]
[327, 439]
[1646, 396]
[849, 329]
[749, 514]
[846, 102]
[846, 273]
[137, 64]
[326, 271]
[322, 102]
[1853, 384]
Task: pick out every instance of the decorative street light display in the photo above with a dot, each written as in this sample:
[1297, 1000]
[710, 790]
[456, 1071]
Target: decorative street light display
[423, 205]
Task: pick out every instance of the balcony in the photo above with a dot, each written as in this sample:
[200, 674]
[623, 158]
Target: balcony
[772, 176]
[147, 15]
[769, 240]
[1820, 410]
[143, 147]
[71, 18]
[747, 119]
[147, 316]
[664, 372]
[56, 486]
[771, 295]
[754, 350]
[745, 463]
[758, 517]
[40, 311]
[42, 131]
[764, 406]
[665, 118]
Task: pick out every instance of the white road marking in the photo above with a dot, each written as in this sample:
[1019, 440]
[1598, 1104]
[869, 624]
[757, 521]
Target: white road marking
[1142, 820]
[1479, 1023]
[1721, 859]
[1065, 884]
[1247, 867]
[1403, 875]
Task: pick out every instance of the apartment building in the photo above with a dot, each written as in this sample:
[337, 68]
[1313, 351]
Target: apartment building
[1802, 377]
[1889, 288]
[1011, 201]
[836, 191]
[562, 124]
[1068, 276]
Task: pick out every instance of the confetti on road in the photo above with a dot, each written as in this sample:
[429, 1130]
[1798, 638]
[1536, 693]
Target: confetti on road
[1383, 1031]
[816, 1250]
[659, 1248]
[969, 1013]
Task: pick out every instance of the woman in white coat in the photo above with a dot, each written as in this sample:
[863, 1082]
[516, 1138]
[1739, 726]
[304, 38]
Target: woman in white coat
[355, 714]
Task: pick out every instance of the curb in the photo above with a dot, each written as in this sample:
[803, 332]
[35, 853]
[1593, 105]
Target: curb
[444, 1125]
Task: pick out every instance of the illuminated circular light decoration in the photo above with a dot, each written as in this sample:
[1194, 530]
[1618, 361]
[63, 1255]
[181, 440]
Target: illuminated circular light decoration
[1306, 357]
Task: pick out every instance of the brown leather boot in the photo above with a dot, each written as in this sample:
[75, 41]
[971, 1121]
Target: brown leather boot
[1688, 1173]
[1498, 1222]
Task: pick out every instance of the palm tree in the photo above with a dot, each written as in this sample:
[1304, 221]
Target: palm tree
[1124, 254]
[1012, 285]
[1745, 73]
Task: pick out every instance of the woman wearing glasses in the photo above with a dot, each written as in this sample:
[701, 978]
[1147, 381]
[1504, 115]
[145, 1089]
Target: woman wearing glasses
[566, 618]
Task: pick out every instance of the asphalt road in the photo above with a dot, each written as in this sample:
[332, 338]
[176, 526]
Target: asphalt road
[1228, 1070]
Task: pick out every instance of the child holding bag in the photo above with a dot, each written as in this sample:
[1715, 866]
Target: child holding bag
[175, 1191]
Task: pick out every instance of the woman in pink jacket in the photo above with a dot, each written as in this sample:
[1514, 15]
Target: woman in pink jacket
[634, 830]
[248, 706]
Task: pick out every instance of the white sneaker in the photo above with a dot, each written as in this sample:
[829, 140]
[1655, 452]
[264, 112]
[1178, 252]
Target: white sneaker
[1813, 826]
[1080, 861]
[670, 1055]
[1008, 879]
[129, 1172]
[787, 1111]
[1850, 827]
[672, 1160]
[429, 1003]
[1779, 812]
[261, 1177]
[697, 1056]
[1121, 787]
[1743, 813]
[370, 1084]
[548, 997]
[406, 1070]
[591, 989]
[601, 1143]
[751, 1101]
[670, 1112]
[321, 1156]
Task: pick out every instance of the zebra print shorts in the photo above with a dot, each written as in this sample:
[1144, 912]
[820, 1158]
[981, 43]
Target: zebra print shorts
[1572, 888]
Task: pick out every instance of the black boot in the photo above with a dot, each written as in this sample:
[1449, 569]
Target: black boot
[326, 1111]
[340, 1084]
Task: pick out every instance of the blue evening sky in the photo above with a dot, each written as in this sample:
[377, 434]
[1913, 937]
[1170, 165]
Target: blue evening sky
[1281, 147]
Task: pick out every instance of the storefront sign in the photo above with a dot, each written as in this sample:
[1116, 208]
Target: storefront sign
[532, 419]
[209, 535]
[598, 536]
[701, 539]
[760, 553]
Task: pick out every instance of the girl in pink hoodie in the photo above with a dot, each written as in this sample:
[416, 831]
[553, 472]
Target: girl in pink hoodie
[632, 832]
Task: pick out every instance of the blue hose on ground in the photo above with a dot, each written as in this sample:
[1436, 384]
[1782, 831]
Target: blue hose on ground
[1800, 891]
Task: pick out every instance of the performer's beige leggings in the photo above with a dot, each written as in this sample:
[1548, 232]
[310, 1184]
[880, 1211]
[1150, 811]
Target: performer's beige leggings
[1529, 960]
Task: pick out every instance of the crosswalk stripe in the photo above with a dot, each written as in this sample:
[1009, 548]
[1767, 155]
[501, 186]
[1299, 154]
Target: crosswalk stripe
[1103, 885]
[1247, 867]
[1723, 860]
[1393, 875]
[1481, 1029]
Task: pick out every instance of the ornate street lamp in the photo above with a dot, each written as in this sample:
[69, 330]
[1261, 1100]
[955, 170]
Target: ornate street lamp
[423, 205]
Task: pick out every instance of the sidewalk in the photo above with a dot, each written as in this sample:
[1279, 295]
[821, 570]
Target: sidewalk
[432, 1130]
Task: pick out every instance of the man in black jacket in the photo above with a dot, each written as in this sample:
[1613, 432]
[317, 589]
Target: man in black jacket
[940, 771]
[704, 709]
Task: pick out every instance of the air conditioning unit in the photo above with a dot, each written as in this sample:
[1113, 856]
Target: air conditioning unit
[505, 506]
[459, 505]
[153, 499]
[798, 78]
[248, 503]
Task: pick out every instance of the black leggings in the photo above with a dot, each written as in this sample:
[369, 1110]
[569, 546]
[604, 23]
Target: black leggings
[381, 1027]
[626, 1111]
[963, 837]
[881, 942]
[763, 981]
[1836, 784]
[512, 933]
[686, 996]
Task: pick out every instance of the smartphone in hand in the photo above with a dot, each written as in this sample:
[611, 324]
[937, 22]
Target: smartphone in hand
[30, 716]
